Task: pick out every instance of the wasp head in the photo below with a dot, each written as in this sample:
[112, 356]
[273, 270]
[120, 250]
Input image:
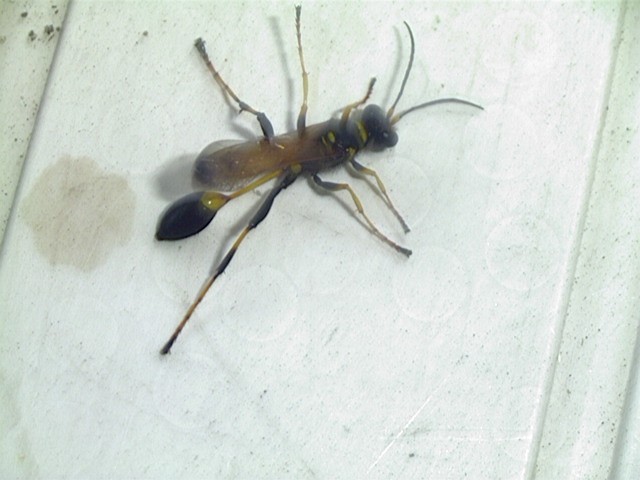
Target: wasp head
[380, 133]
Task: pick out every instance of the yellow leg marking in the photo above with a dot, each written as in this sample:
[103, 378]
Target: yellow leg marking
[345, 186]
[305, 78]
[216, 200]
[256, 183]
[204, 290]
[368, 171]
[290, 175]
[264, 122]
[347, 110]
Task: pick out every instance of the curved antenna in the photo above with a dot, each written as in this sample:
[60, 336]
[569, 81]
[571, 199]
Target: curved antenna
[406, 73]
[396, 118]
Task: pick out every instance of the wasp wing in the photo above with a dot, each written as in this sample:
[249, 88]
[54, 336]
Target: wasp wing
[226, 165]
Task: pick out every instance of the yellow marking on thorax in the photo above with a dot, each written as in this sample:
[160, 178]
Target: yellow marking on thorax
[363, 132]
[329, 138]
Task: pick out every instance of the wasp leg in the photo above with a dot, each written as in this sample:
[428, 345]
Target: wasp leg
[265, 124]
[302, 116]
[347, 110]
[192, 213]
[334, 187]
[287, 179]
[368, 171]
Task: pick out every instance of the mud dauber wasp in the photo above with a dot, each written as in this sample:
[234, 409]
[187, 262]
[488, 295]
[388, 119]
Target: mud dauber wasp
[307, 151]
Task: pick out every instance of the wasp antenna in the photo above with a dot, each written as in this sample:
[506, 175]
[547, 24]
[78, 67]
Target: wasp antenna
[430, 103]
[406, 73]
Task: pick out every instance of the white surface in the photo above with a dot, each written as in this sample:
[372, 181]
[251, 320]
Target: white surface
[504, 348]
[29, 33]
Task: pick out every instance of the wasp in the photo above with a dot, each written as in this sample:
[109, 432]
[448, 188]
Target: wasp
[307, 151]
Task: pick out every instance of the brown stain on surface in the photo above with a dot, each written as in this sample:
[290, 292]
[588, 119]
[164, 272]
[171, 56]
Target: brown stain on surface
[79, 213]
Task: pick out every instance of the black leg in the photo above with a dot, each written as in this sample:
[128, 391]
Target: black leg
[265, 124]
[287, 179]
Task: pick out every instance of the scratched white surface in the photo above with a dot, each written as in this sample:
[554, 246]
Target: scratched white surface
[505, 347]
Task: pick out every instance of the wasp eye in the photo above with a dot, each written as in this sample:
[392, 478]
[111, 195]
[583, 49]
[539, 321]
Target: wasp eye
[390, 138]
